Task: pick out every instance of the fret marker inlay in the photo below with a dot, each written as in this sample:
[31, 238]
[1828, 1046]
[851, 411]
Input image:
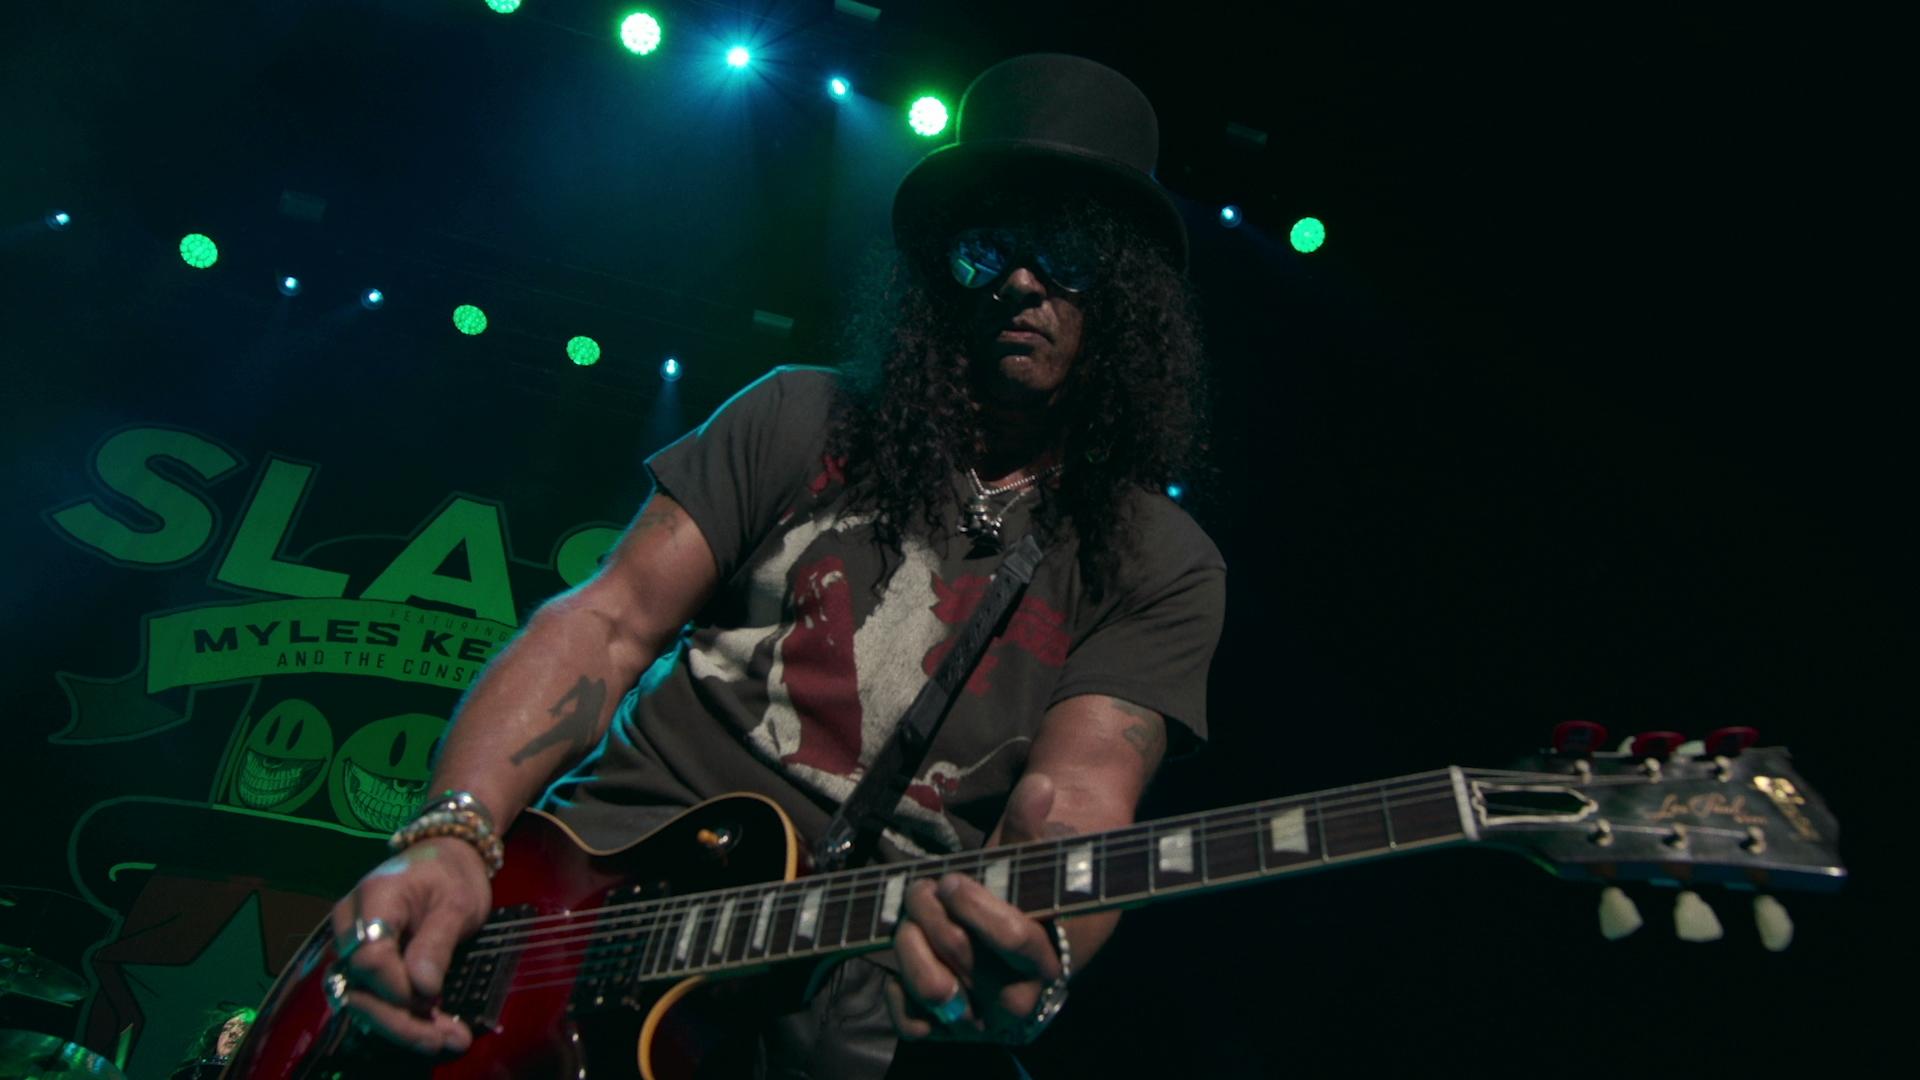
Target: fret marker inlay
[762, 922]
[1287, 830]
[683, 945]
[1079, 873]
[723, 924]
[896, 891]
[809, 913]
[995, 876]
[1176, 852]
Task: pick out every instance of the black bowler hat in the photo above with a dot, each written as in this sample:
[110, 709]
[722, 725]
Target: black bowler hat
[1047, 120]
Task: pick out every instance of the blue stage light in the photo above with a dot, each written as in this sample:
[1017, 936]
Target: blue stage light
[289, 286]
[59, 220]
[739, 57]
[1175, 492]
[372, 299]
[670, 369]
[1230, 216]
[838, 87]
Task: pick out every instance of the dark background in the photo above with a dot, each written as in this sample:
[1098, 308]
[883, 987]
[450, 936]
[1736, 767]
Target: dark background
[1573, 416]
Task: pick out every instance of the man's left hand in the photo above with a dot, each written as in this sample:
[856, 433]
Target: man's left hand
[972, 965]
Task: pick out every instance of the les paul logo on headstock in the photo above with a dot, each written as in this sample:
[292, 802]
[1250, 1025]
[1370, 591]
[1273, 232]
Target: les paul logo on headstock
[1704, 807]
[1788, 800]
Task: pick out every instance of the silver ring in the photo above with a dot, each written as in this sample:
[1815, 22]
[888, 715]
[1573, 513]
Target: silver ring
[952, 1010]
[365, 932]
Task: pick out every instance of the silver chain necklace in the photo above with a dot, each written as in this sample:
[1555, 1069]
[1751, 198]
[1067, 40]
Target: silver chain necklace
[983, 521]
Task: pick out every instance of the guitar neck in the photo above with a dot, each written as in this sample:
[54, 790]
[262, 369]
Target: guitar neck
[858, 910]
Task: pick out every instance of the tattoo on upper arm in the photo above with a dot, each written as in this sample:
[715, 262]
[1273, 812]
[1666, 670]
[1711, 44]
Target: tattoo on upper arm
[576, 715]
[1149, 736]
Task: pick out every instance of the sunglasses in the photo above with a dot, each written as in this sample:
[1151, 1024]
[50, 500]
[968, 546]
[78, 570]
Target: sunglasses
[979, 257]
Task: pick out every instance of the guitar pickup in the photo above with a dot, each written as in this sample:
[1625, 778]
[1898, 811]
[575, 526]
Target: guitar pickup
[477, 983]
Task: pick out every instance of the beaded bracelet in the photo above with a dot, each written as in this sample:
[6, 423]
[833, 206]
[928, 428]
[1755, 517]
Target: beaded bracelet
[459, 815]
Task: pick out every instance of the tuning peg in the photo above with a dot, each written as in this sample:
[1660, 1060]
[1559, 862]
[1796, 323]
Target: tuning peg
[1729, 741]
[1655, 744]
[1693, 920]
[1776, 926]
[1618, 915]
[1581, 737]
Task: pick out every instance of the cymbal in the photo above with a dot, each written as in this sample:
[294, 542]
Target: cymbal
[25, 972]
[32, 1054]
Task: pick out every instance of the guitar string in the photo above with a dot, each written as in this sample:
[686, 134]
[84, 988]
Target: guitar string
[1369, 803]
[707, 959]
[588, 927]
[1367, 794]
[867, 881]
[633, 969]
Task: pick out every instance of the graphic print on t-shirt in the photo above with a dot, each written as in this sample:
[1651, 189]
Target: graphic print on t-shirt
[830, 707]
[1034, 627]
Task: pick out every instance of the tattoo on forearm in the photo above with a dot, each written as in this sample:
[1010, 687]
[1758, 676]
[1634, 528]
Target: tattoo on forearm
[1149, 736]
[575, 715]
[1054, 830]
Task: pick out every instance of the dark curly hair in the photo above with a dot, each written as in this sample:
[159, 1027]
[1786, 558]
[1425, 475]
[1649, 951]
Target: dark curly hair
[1135, 404]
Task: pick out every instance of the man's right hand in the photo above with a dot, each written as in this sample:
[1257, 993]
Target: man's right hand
[430, 897]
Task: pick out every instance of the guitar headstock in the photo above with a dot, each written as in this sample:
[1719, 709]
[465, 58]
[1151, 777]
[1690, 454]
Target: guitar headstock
[1745, 821]
[1668, 812]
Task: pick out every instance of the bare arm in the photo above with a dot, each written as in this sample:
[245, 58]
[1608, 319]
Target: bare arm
[545, 700]
[1085, 773]
[1100, 752]
[537, 709]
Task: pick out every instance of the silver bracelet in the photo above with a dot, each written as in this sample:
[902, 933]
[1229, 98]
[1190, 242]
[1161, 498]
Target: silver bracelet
[1053, 997]
[459, 800]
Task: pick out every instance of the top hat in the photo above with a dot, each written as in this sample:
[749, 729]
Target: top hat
[1047, 119]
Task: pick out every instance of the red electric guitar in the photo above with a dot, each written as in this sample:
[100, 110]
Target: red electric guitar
[601, 963]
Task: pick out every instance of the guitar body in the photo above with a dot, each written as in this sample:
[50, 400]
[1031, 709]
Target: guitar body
[543, 1028]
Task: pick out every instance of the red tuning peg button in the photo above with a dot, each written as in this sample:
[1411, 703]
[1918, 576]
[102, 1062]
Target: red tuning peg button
[1729, 741]
[1580, 737]
[1656, 744]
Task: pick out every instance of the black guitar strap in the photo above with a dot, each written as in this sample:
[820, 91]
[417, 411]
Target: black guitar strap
[854, 832]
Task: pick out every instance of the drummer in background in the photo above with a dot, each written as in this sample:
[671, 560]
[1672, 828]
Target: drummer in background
[216, 1044]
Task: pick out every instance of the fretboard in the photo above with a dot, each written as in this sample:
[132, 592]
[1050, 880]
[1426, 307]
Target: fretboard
[858, 910]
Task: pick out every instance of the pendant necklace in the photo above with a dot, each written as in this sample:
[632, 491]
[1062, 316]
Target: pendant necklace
[984, 521]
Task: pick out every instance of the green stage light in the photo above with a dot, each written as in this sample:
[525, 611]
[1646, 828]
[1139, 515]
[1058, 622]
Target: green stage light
[583, 351]
[640, 32]
[198, 251]
[928, 116]
[504, 7]
[1307, 235]
[469, 319]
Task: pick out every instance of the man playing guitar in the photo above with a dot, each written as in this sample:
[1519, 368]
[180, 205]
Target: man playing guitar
[808, 555]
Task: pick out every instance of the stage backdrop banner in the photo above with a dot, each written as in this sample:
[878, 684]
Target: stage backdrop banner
[250, 603]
